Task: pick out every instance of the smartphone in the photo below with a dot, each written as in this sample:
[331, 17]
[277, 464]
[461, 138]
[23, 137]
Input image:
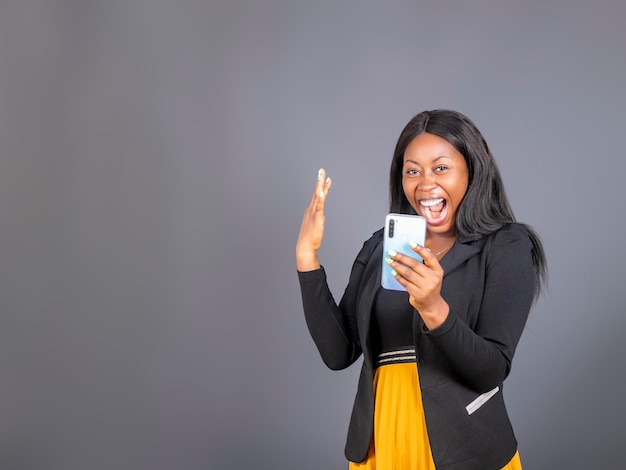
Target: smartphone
[400, 230]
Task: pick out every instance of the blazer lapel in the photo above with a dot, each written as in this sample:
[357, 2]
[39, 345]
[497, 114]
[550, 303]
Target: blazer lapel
[459, 253]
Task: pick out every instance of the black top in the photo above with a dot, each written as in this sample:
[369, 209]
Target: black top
[392, 323]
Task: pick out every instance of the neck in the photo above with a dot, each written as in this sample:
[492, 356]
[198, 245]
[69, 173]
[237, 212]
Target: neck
[440, 238]
[440, 243]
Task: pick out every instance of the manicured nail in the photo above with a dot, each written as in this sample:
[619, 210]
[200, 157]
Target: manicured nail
[319, 174]
[392, 253]
[394, 273]
[327, 179]
[388, 260]
[413, 244]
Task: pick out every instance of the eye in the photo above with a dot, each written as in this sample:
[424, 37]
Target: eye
[412, 172]
[440, 168]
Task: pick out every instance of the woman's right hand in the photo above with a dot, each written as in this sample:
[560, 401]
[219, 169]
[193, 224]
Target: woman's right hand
[312, 228]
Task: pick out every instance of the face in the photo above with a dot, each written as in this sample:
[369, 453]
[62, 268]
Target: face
[435, 180]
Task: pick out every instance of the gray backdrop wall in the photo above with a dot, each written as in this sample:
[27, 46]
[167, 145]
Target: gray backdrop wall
[156, 158]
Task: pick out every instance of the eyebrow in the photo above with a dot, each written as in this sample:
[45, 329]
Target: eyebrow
[435, 160]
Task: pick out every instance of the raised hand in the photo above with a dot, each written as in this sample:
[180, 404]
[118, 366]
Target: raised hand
[312, 228]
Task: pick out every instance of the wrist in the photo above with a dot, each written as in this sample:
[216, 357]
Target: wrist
[307, 261]
[435, 316]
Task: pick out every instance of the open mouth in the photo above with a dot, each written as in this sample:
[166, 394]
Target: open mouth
[433, 210]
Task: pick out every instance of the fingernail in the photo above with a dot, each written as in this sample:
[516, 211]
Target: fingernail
[388, 260]
[394, 273]
[319, 174]
[392, 253]
[413, 244]
[327, 179]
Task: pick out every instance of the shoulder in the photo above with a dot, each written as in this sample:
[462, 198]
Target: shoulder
[511, 238]
[370, 245]
[512, 233]
[377, 235]
[511, 245]
[372, 242]
[376, 238]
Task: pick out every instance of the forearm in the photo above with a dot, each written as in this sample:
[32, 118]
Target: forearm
[478, 362]
[328, 325]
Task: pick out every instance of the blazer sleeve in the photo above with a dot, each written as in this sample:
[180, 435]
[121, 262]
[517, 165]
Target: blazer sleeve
[482, 357]
[333, 326]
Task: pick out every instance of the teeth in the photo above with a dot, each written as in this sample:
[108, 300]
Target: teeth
[431, 202]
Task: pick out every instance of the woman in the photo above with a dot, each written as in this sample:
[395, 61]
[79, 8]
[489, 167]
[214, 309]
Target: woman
[430, 393]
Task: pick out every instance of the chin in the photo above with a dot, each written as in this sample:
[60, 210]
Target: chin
[441, 228]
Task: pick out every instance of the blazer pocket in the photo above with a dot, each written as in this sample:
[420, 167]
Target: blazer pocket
[481, 400]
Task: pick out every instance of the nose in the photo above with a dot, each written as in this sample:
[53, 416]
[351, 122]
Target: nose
[426, 182]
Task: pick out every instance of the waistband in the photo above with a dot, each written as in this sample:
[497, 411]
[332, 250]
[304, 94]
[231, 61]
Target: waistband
[396, 356]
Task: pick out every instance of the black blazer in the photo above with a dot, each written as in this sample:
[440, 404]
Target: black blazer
[489, 285]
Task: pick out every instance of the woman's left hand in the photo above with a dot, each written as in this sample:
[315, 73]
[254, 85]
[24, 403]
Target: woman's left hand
[422, 280]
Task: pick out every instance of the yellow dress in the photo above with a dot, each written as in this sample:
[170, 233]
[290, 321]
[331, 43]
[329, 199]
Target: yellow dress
[400, 436]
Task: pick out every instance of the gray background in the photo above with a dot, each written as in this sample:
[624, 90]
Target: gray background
[155, 161]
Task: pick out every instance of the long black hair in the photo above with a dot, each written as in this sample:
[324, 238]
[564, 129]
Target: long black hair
[485, 207]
